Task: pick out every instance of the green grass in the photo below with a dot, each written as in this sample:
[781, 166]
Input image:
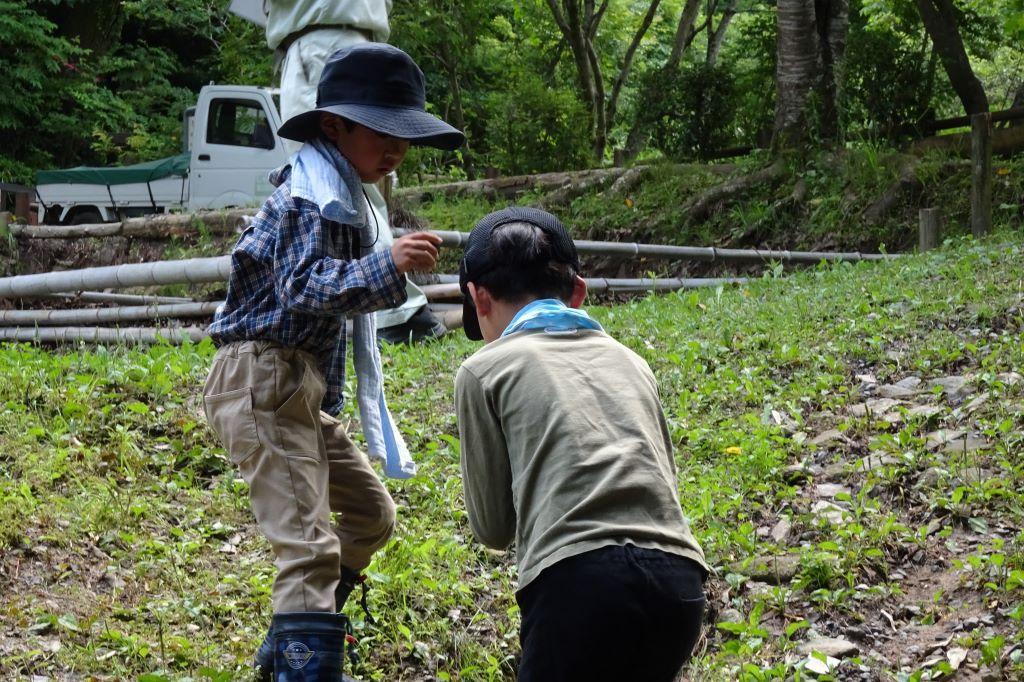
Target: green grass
[127, 550]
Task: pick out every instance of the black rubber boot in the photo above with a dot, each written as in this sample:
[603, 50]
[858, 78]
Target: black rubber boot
[424, 325]
[263, 661]
[347, 583]
[309, 647]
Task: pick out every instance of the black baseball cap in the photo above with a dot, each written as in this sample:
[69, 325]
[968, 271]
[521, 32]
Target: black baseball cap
[380, 87]
[477, 259]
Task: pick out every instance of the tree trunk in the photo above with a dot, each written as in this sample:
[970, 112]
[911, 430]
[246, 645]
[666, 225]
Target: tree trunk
[811, 46]
[796, 72]
[577, 29]
[833, 20]
[716, 37]
[939, 18]
[627, 60]
[683, 38]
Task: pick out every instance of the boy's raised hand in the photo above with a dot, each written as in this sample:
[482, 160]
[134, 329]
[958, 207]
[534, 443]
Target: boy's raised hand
[416, 251]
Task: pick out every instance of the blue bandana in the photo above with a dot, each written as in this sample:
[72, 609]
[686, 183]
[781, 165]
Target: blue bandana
[552, 316]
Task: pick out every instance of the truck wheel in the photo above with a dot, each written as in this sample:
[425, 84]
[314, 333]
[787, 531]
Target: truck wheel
[86, 217]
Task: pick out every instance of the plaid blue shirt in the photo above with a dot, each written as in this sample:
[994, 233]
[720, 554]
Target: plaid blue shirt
[294, 278]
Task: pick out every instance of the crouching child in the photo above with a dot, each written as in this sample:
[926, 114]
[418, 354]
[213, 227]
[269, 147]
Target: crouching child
[566, 451]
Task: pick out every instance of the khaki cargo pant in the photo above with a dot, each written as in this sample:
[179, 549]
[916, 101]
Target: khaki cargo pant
[263, 401]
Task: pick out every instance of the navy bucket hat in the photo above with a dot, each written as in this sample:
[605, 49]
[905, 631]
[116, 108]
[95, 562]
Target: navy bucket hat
[477, 259]
[379, 86]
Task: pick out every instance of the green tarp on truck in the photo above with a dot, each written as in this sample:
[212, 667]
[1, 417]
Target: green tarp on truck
[118, 175]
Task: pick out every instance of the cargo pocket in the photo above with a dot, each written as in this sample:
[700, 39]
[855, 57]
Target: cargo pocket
[298, 418]
[231, 416]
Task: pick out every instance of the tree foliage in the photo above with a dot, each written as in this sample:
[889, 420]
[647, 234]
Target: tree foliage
[537, 85]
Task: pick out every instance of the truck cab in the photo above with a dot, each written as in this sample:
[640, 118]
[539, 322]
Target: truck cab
[230, 145]
[233, 146]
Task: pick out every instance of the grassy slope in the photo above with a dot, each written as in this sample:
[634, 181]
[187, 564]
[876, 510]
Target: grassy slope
[127, 549]
[830, 218]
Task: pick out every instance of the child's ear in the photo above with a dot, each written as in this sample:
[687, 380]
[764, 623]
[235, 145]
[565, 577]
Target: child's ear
[331, 125]
[579, 292]
[482, 300]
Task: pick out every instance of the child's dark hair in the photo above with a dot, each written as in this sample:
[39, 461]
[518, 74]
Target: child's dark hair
[525, 267]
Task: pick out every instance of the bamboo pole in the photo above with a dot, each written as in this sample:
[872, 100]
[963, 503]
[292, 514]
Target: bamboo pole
[190, 271]
[450, 290]
[122, 299]
[699, 253]
[148, 335]
[51, 318]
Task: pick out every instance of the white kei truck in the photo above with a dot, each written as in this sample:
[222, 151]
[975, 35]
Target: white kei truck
[229, 145]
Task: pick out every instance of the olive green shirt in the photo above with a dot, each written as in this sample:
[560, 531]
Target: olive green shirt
[565, 449]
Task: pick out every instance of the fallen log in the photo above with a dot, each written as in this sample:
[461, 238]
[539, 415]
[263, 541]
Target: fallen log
[151, 226]
[503, 188]
[87, 316]
[1005, 142]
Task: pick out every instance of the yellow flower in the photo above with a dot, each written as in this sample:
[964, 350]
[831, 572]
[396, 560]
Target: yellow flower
[734, 450]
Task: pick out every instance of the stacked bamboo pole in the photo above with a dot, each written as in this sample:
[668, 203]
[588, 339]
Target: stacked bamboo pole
[212, 270]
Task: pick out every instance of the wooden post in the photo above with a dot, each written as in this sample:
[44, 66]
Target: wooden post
[981, 178]
[928, 232]
[22, 206]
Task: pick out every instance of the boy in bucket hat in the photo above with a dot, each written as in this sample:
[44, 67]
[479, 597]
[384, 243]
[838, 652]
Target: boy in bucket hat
[275, 385]
[565, 450]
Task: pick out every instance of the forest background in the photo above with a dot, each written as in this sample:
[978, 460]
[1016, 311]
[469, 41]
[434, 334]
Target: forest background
[538, 85]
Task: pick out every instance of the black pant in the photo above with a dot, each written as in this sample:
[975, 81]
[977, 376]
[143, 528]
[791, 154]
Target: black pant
[615, 613]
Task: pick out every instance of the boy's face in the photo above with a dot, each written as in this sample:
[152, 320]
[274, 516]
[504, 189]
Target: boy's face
[372, 154]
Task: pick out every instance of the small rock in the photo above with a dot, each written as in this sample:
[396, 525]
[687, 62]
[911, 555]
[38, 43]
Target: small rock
[774, 570]
[954, 387]
[795, 473]
[829, 436]
[976, 475]
[757, 589]
[828, 511]
[834, 471]
[965, 444]
[895, 392]
[936, 439]
[830, 646]
[910, 383]
[730, 616]
[877, 460]
[830, 490]
[926, 411]
[930, 478]
[781, 530]
[976, 403]
[1010, 378]
[867, 378]
[875, 408]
